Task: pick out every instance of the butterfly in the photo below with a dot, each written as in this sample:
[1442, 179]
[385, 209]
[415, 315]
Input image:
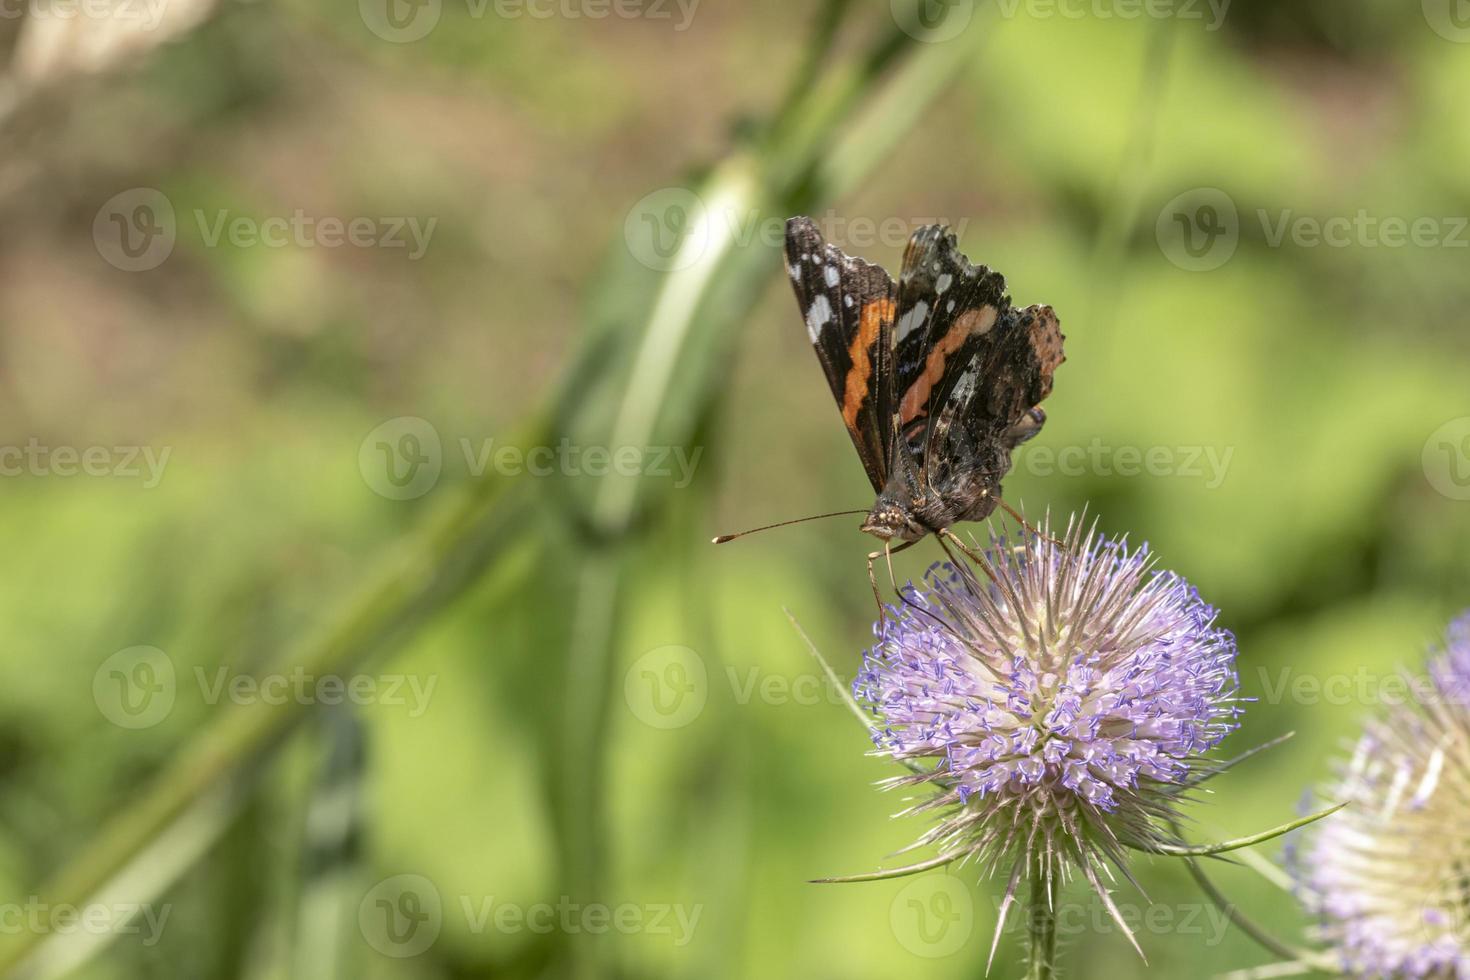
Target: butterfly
[937, 377]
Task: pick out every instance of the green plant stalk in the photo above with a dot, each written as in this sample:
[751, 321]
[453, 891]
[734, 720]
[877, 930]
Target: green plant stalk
[1041, 925]
[429, 571]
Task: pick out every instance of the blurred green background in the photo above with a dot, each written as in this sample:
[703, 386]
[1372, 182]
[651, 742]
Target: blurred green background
[579, 741]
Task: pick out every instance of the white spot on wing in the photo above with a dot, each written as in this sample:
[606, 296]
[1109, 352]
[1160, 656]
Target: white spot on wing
[912, 319]
[817, 316]
[964, 389]
[847, 302]
[832, 275]
[944, 282]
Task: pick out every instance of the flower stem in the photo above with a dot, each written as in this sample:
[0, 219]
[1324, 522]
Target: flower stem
[1041, 925]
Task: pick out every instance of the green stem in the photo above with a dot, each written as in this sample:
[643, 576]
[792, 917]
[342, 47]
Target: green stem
[432, 569]
[1041, 925]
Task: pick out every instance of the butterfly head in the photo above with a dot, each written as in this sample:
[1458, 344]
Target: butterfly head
[892, 522]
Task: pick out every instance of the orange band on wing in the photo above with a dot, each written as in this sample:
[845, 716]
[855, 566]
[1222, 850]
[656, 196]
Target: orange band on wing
[970, 323]
[870, 322]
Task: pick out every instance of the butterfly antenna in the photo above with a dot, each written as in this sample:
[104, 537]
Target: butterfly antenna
[800, 520]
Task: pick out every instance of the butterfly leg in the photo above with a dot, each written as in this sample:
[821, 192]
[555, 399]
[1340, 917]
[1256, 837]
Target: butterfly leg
[887, 553]
[970, 553]
[1025, 524]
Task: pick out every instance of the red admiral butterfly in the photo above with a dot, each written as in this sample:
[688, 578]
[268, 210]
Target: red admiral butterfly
[937, 377]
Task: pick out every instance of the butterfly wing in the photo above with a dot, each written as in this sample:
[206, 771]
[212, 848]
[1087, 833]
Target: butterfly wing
[946, 310]
[990, 405]
[848, 306]
[970, 370]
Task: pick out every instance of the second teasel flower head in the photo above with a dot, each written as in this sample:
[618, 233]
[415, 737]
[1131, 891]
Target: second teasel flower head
[1058, 699]
[1388, 878]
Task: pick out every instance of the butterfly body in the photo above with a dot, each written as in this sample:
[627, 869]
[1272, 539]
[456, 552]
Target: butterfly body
[937, 377]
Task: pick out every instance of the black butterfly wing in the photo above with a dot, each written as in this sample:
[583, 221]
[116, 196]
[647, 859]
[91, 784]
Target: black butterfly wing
[848, 306]
[970, 370]
[990, 404]
[946, 310]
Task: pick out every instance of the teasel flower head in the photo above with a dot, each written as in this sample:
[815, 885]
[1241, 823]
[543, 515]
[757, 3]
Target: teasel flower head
[1057, 698]
[1388, 878]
